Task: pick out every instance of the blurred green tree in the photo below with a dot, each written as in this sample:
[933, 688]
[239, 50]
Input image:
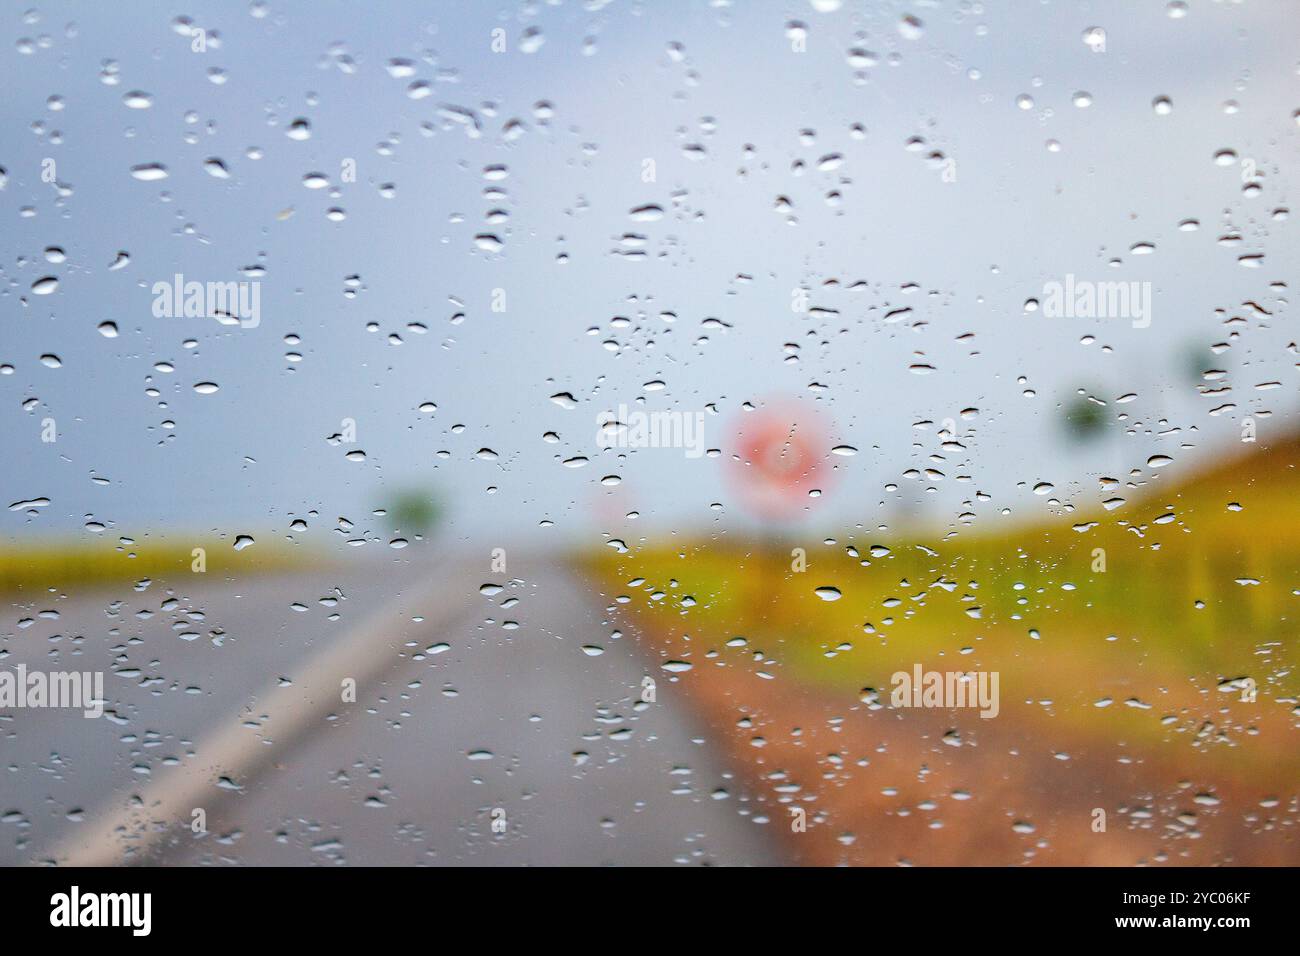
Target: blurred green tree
[1084, 419]
[413, 512]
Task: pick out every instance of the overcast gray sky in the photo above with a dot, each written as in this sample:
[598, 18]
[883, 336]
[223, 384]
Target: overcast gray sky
[765, 188]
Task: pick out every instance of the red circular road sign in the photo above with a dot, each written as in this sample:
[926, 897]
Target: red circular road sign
[780, 457]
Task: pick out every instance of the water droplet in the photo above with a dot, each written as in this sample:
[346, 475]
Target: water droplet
[910, 28]
[149, 172]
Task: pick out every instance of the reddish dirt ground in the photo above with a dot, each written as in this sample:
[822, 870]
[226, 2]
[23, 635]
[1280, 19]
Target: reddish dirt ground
[942, 787]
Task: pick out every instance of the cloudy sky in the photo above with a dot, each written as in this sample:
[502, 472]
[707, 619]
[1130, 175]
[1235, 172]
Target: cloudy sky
[921, 170]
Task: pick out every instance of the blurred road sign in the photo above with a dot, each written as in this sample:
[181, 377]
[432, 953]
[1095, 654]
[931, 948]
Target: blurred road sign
[779, 457]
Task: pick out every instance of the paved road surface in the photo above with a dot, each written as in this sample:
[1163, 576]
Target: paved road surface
[514, 718]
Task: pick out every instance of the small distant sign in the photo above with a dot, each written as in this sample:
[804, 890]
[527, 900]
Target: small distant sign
[780, 458]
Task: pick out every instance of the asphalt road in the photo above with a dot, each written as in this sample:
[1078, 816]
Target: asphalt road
[517, 720]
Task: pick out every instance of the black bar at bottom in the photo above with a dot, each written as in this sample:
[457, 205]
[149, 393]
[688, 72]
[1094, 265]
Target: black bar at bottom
[331, 906]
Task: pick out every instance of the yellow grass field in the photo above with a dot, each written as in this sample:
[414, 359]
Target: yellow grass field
[43, 563]
[1146, 659]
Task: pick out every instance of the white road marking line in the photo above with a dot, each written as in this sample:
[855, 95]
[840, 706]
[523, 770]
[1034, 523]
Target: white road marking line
[128, 826]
